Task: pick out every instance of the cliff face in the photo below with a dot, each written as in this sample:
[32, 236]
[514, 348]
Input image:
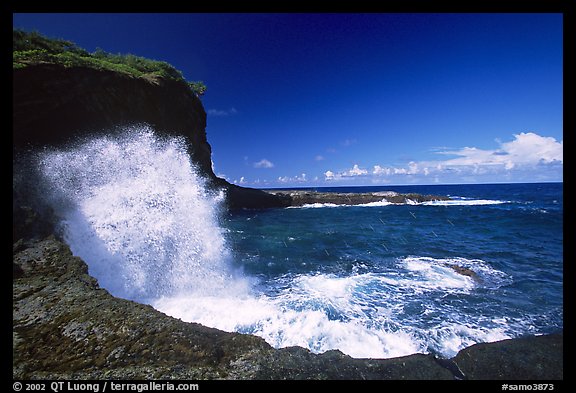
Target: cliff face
[53, 105]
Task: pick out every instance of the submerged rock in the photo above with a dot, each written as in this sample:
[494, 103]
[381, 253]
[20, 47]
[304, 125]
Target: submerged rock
[465, 271]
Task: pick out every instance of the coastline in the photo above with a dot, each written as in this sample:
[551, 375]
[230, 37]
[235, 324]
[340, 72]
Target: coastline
[296, 197]
[66, 327]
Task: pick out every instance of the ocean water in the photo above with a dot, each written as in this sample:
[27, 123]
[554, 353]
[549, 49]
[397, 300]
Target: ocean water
[377, 281]
[380, 280]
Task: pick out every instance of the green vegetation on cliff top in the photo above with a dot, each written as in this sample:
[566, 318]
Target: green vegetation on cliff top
[31, 48]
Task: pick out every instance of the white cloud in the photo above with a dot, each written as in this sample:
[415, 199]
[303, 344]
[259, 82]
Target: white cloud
[378, 170]
[526, 149]
[528, 152]
[528, 157]
[350, 173]
[387, 171]
[295, 179]
[263, 163]
[222, 112]
[319, 158]
[469, 156]
[533, 148]
[413, 168]
[356, 171]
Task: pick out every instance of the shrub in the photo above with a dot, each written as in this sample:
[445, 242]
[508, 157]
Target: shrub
[198, 88]
[29, 48]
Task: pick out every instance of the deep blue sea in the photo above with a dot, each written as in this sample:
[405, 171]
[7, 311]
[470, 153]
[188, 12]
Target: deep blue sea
[380, 280]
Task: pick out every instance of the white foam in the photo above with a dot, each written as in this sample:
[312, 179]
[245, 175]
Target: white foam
[363, 315]
[135, 210]
[449, 338]
[451, 202]
[383, 202]
[281, 325]
[318, 205]
[441, 273]
[464, 202]
[315, 206]
[435, 275]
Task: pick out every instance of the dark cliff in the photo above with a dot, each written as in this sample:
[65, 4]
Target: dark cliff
[55, 105]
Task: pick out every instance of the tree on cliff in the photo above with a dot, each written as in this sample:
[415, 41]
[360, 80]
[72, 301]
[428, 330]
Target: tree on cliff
[199, 88]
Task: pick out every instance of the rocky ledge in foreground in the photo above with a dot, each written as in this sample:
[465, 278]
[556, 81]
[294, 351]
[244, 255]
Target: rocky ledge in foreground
[305, 197]
[66, 327]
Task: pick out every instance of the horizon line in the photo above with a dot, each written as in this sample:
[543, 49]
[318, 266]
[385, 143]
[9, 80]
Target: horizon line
[407, 185]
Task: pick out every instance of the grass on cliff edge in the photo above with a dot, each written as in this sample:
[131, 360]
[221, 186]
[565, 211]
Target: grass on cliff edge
[30, 48]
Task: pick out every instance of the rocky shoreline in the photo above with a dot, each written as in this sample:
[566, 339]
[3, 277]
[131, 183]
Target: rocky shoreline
[66, 327]
[305, 197]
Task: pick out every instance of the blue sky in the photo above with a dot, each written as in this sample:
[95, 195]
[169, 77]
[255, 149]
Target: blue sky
[298, 100]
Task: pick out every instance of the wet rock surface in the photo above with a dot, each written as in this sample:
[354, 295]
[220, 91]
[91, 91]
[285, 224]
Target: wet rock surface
[66, 327]
[527, 358]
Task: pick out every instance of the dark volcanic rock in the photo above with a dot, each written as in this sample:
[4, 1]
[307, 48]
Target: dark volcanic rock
[65, 326]
[300, 197]
[54, 105]
[465, 271]
[251, 198]
[528, 358]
